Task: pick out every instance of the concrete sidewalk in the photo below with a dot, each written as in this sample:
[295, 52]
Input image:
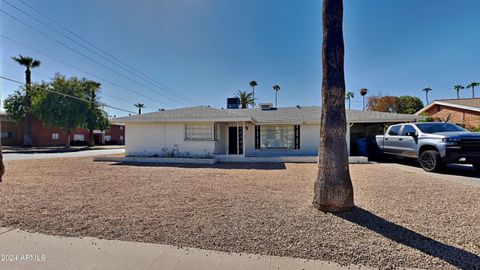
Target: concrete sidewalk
[38, 251]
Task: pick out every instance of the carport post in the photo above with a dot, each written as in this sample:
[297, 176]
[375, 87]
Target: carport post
[349, 125]
[243, 139]
[238, 142]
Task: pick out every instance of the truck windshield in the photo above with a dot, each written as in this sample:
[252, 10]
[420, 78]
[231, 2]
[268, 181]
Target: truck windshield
[438, 127]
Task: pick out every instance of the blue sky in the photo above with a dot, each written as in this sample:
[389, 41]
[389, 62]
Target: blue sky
[207, 50]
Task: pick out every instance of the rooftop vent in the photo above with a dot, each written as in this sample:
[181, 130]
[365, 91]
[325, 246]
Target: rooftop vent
[233, 103]
[266, 106]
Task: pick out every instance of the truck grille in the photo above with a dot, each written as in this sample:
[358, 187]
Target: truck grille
[473, 144]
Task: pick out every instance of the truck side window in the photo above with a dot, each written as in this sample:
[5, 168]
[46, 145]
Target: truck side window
[407, 129]
[394, 131]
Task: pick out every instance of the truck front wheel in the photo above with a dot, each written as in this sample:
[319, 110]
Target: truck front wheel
[431, 161]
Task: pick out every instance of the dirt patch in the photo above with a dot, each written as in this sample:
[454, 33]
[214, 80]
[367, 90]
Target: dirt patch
[403, 219]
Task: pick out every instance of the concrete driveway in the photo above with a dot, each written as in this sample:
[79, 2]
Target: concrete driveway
[85, 153]
[460, 173]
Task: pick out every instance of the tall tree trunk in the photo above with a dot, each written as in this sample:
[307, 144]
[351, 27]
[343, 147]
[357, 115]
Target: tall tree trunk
[458, 94]
[27, 139]
[91, 140]
[473, 91]
[2, 167]
[333, 189]
[67, 145]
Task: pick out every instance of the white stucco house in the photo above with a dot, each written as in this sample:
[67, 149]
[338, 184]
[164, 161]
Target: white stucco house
[209, 132]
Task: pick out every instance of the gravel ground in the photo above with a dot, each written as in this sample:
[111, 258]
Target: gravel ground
[403, 219]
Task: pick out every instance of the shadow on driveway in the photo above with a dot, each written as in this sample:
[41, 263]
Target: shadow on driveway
[455, 256]
[222, 166]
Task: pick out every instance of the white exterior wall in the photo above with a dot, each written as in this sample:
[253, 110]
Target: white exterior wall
[163, 139]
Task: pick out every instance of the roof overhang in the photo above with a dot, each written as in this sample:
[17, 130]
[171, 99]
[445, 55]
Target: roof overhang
[183, 120]
[441, 103]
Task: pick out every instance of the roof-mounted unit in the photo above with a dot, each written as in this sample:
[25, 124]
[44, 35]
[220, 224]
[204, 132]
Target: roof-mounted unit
[266, 106]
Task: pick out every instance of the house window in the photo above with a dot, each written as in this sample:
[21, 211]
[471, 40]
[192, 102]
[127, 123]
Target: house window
[282, 136]
[121, 127]
[108, 138]
[121, 138]
[7, 134]
[78, 137]
[55, 136]
[199, 132]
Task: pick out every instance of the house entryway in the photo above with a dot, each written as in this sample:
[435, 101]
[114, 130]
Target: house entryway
[235, 141]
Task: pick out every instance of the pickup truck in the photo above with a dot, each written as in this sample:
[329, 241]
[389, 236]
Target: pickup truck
[433, 144]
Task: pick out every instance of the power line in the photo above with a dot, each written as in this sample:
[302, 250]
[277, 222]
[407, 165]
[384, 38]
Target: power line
[77, 68]
[66, 95]
[86, 56]
[146, 77]
[48, 76]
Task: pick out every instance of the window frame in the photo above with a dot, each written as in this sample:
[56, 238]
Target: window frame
[290, 141]
[55, 136]
[213, 130]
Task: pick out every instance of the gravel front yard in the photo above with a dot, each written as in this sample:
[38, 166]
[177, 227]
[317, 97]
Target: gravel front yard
[403, 218]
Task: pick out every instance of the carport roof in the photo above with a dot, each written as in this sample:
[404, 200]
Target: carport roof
[287, 115]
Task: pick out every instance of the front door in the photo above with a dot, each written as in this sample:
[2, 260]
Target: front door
[235, 141]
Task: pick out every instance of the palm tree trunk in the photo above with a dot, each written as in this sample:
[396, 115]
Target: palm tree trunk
[333, 189]
[473, 91]
[253, 94]
[458, 94]
[363, 103]
[276, 100]
[426, 97]
[27, 138]
[348, 104]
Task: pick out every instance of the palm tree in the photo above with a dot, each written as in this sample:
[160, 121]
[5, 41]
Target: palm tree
[276, 88]
[457, 88]
[473, 85]
[253, 84]
[333, 190]
[426, 90]
[140, 106]
[28, 63]
[246, 98]
[349, 96]
[363, 93]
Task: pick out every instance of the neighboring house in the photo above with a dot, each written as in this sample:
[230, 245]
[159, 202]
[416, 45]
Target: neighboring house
[206, 132]
[12, 134]
[464, 112]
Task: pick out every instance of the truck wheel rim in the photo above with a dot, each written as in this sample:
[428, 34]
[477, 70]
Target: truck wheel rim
[428, 161]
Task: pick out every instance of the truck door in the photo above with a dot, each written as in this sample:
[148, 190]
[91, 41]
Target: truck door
[390, 141]
[408, 142]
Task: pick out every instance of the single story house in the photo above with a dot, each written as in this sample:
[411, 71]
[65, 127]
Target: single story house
[259, 132]
[464, 111]
[12, 134]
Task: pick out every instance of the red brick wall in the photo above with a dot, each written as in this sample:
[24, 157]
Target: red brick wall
[117, 132]
[463, 117]
[42, 135]
[16, 131]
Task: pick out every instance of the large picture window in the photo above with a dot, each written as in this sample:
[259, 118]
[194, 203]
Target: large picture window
[282, 136]
[199, 132]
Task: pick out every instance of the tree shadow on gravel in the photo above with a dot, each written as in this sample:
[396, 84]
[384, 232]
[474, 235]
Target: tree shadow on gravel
[455, 256]
[221, 166]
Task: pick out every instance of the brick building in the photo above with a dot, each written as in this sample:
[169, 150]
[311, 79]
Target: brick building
[12, 134]
[464, 112]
